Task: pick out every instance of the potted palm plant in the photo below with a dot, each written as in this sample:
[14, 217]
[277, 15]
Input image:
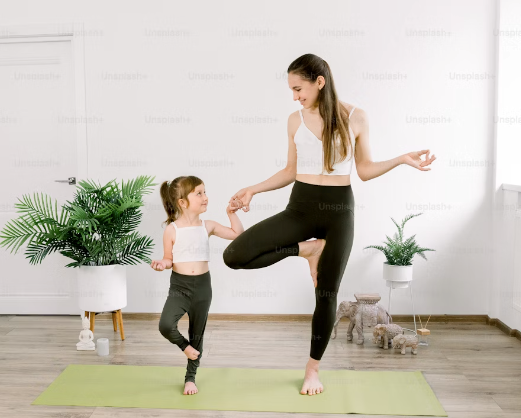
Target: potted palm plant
[397, 270]
[95, 230]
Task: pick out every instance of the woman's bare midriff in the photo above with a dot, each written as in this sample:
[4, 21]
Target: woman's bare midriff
[321, 180]
[191, 268]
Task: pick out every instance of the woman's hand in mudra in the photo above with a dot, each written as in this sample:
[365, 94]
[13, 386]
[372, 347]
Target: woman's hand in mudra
[242, 198]
[414, 159]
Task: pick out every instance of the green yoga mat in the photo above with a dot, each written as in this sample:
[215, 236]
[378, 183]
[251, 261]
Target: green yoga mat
[234, 389]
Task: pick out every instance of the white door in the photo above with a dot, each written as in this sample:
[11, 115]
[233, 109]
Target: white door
[38, 126]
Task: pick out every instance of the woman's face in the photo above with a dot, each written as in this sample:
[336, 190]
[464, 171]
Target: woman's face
[304, 91]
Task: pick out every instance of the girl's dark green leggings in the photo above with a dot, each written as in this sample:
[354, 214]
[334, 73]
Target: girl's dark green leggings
[191, 294]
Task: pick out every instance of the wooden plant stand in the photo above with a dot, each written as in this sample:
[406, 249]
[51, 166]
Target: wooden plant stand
[117, 317]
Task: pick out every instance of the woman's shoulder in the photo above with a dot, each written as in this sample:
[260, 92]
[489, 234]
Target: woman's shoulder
[293, 123]
[358, 117]
[294, 116]
[347, 106]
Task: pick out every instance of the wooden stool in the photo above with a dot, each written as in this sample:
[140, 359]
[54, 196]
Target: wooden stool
[117, 317]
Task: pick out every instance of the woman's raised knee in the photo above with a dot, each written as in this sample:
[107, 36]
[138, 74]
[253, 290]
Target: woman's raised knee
[230, 258]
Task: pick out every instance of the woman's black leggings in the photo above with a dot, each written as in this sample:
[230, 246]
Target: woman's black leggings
[192, 294]
[312, 212]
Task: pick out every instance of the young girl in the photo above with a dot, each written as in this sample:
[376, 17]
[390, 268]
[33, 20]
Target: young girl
[187, 252]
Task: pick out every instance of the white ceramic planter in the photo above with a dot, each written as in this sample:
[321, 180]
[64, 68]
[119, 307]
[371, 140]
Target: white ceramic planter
[102, 288]
[397, 276]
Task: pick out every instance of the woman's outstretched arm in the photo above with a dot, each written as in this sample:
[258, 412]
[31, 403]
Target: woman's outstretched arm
[368, 169]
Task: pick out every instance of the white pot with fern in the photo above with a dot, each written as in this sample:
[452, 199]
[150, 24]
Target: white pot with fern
[397, 270]
[95, 230]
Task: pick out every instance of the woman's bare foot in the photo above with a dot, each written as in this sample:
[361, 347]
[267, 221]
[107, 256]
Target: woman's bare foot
[190, 388]
[312, 385]
[191, 353]
[311, 251]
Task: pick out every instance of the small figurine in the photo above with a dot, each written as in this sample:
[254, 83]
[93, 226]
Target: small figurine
[402, 341]
[86, 336]
[365, 312]
[384, 333]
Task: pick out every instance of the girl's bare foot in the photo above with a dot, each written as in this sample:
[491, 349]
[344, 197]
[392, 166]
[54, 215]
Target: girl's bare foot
[312, 385]
[190, 388]
[311, 251]
[191, 353]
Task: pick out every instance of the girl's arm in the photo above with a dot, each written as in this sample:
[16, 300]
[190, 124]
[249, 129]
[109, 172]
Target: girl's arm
[168, 244]
[221, 231]
[368, 169]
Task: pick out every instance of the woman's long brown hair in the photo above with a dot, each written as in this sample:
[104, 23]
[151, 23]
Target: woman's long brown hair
[333, 113]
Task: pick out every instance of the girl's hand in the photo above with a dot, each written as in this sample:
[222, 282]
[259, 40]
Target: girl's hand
[414, 159]
[234, 206]
[244, 196]
[158, 265]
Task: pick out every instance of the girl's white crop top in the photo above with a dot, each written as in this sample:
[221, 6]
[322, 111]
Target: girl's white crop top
[191, 244]
[310, 152]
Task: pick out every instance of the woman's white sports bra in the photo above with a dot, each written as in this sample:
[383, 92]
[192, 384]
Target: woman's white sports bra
[310, 152]
[191, 244]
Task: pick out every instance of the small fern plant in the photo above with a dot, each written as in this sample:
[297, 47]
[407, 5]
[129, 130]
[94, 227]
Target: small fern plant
[399, 252]
[95, 229]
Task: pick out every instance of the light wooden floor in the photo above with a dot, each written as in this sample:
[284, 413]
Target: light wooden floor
[474, 368]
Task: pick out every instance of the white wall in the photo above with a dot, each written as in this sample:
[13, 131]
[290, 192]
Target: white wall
[505, 286]
[421, 90]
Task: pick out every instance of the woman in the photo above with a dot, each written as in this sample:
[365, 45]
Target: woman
[321, 204]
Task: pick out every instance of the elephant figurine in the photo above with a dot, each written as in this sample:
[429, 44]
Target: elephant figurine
[359, 315]
[402, 341]
[384, 333]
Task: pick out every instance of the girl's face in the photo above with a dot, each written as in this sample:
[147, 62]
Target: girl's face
[198, 200]
[304, 91]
